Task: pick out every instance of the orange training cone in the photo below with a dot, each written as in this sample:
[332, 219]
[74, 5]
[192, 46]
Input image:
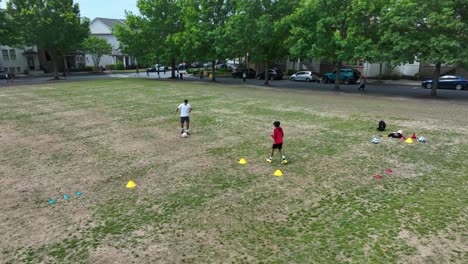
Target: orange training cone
[413, 136]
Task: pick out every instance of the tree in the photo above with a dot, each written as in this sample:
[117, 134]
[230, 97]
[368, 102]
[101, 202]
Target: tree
[336, 30]
[3, 27]
[427, 31]
[154, 36]
[96, 47]
[256, 27]
[7, 35]
[54, 26]
[205, 22]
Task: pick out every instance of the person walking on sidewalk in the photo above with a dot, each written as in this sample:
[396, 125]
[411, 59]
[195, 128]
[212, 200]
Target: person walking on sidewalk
[137, 71]
[362, 81]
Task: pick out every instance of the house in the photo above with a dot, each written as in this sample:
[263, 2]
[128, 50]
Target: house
[19, 60]
[102, 28]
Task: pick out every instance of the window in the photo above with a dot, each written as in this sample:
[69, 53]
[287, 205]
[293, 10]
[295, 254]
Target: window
[18, 69]
[12, 54]
[5, 55]
[12, 69]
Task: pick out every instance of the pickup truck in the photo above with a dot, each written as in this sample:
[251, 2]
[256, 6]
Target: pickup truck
[347, 76]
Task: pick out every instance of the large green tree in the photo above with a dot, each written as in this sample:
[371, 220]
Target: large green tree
[54, 26]
[427, 31]
[205, 23]
[96, 47]
[4, 34]
[256, 27]
[336, 30]
[153, 36]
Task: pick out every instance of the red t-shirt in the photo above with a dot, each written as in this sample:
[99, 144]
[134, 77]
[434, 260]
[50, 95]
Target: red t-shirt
[277, 135]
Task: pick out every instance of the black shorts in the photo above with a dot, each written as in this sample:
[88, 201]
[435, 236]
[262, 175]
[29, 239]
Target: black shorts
[184, 119]
[277, 146]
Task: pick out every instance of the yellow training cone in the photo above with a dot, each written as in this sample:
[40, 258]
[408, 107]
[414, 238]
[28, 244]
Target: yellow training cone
[409, 140]
[131, 184]
[278, 173]
[242, 161]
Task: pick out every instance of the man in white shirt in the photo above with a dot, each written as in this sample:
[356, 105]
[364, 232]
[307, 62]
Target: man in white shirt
[185, 110]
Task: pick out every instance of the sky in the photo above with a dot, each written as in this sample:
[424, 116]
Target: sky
[102, 8]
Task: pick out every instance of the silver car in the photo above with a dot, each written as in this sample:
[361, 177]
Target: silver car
[306, 76]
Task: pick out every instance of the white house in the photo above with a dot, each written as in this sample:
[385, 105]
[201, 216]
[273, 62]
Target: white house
[19, 60]
[102, 28]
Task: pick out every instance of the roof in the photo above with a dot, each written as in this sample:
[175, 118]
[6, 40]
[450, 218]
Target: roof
[110, 22]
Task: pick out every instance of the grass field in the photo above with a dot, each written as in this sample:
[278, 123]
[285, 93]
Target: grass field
[194, 203]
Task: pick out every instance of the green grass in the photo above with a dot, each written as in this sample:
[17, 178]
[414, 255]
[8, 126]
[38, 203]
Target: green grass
[194, 203]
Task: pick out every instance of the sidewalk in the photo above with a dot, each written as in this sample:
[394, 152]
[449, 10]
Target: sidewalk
[394, 82]
[51, 74]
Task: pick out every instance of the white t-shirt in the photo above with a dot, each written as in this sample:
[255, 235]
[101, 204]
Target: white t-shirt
[184, 109]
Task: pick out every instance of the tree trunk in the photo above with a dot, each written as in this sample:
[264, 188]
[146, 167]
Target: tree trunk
[380, 72]
[267, 76]
[435, 80]
[96, 60]
[53, 57]
[65, 66]
[173, 69]
[213, 69]
[337, 75]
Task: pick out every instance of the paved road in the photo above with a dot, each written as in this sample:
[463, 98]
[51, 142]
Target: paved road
[401, 89]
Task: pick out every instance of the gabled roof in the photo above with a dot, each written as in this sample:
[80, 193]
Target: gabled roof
[110, 22]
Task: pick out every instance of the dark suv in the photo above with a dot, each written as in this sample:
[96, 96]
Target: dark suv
[347, 76]
[273, 74]
[237, 73]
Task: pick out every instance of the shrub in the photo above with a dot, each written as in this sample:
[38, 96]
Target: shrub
[119, 66]
[193, 71]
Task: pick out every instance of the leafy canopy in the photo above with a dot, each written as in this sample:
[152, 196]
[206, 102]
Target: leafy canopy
[96, 47]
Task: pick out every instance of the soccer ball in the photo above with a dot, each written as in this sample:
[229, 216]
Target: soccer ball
[375, 141]
[184, 135]
[422, 139]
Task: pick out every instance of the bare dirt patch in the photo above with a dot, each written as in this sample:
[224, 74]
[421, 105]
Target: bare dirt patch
[442, 247]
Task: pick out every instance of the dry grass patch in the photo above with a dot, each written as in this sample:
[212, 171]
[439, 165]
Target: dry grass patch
[195, 203]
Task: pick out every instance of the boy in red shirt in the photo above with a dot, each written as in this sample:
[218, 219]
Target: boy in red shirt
[277, 142]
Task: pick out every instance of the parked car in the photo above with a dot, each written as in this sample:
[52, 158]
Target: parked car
[3, 74]
[273, 74]
[232, 65]
[182, 66]
[157, 66]
[237, 73]
[448, 82]
[196, 65]
[347, 76]
[221, 66]
[306, 76]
